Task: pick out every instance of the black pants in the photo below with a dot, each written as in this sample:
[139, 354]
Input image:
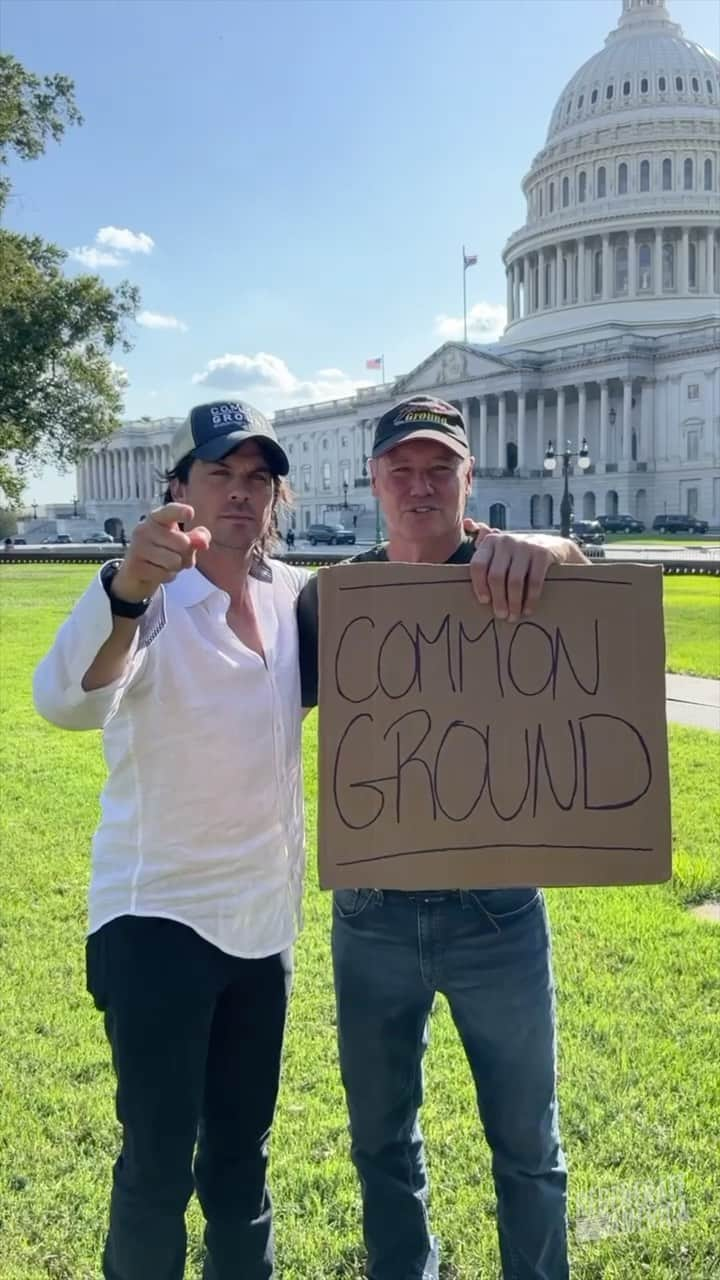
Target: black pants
[196, 1038]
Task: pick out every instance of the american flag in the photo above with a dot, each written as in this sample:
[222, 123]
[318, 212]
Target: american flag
[469, 260]
[375, 362]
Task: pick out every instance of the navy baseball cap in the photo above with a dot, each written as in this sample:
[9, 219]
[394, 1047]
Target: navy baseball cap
[211, 431]
[421, 418]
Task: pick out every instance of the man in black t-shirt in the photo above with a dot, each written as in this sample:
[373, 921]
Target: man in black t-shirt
[487, 951]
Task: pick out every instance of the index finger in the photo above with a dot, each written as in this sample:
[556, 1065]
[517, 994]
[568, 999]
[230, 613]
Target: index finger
[172, 513]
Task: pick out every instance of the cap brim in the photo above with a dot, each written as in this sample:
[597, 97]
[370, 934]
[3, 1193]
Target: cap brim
[422, 433]
[214, 450]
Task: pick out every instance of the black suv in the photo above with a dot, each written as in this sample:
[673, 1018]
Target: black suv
[621, 524]
[679, 524]
[331, 533]
[587, 531]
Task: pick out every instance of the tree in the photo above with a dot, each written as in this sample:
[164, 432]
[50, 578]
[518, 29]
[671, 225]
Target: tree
[60, 391]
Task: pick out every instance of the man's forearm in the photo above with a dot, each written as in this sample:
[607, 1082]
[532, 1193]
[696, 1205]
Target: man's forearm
[110, 663]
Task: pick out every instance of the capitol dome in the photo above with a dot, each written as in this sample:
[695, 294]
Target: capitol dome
[622, 202]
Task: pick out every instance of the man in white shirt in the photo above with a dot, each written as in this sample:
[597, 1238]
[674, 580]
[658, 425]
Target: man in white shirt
[185, 654]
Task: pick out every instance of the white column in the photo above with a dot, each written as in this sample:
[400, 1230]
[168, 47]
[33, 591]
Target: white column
[709, 236]
[605, 267]
[148, 475]
[133, 473]
[646, 450]
[521, 430]
[626, 436]
[100, 477]
[632, 265]
[516, 290]
[560, 421]
[116, 455]
[501, 458]
[658, 281]
[582, 407]
[526, 278]
[557, 275]
[482, 462]
[683, 279]
[542, 300]
[508, 281]
[603, 421]
[465, 410]
[540, 428]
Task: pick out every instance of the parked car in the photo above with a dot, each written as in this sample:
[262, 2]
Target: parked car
[587, 531]
[621, 524]
[331, 533]
[57, 540]
[18, 542]
[99, 537]
[679, 524]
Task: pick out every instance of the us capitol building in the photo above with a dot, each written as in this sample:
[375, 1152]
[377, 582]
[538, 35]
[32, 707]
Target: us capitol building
[613, 333]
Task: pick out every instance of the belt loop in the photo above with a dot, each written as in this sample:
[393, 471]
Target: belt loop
[464, 899]
[379, 895]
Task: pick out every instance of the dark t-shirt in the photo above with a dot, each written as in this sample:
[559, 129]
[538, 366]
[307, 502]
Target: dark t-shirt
[307, 614]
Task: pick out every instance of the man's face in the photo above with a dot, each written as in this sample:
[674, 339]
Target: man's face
[232, 498]
[422, 487]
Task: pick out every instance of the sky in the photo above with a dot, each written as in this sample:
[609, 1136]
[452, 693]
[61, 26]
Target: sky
[290, 182]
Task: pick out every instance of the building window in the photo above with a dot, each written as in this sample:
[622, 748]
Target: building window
[667, 175]
[622, 179]
[626, 88]
[547, 284]
[597, 272]
[594, 97]
[679, 84]
[582, 186]
[692, 264]
[668, 281]
[644, 267]
[291, 448]
[695, 84]
[551, 200]
[305, 446]
[540, 201]
[708, 86]
[688, 175]
[325, 442]
[707, 175]
[580, 101]
[644, 85]
[568, 108]
[346, 473]
[306, 479]
[565, 192]
[692, 502]
[564, 274]
[609, 92]
[662, 84]
[601, 182]
[645, 175]
[693, 390]
[326, 476]
[621, 268]
[344, 442]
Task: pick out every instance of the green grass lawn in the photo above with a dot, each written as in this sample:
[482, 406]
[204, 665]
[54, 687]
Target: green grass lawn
[638, 987]
[692, 625]
[666, 539]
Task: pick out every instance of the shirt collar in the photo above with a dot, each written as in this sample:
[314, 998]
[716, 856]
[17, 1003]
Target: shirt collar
[191, 587]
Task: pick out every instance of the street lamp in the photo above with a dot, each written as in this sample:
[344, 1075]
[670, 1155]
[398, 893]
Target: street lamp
[34, 506]
[551, 458]
[378, 530]
[75, 502]
[345, 494]
[612, 416]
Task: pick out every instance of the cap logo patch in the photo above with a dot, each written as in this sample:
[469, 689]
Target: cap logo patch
[423, 416]
[223, 415]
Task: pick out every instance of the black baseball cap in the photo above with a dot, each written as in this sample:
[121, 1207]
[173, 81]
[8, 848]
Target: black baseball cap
[211, 431]
[422, 418]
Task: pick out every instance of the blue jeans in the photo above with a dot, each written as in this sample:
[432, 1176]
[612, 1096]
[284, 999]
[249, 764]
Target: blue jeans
[489, 953]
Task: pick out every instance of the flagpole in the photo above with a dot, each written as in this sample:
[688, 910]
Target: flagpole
[464, 297]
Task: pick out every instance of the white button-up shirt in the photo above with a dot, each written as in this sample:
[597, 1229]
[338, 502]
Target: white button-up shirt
[202, 812]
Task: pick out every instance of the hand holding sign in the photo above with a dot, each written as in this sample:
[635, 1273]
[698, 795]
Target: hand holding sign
[508, 570]
[159, 550]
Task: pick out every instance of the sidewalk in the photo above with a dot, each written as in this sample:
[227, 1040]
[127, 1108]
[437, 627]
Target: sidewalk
[694, 701]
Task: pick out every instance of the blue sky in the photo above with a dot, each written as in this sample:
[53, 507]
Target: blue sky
[298, 177]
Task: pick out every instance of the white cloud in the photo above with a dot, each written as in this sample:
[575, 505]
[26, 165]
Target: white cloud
[113, 242]
[125, 240]
[94, 258]
[270, 380]
[155, 320]
[486, 320]
[120, 375]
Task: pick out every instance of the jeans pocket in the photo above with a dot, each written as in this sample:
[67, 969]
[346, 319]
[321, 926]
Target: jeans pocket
[506, 905]
[349, 903]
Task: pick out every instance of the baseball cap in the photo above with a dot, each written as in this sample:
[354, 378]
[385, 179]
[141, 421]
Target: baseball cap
[422, 418]
[211, 431]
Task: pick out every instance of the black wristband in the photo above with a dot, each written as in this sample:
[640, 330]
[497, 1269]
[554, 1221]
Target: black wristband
[120, 608]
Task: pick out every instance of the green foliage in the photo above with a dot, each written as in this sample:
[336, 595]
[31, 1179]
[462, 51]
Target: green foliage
[59, 390]
[638, 990]
[8, 523]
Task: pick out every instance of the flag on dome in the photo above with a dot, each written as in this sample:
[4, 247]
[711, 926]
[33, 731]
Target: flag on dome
[375, 362]
[469, 259]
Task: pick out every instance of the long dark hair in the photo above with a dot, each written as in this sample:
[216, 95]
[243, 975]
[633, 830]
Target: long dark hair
[282, 503]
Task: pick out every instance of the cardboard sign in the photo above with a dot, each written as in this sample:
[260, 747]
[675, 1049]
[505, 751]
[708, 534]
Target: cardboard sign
[460, 751]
